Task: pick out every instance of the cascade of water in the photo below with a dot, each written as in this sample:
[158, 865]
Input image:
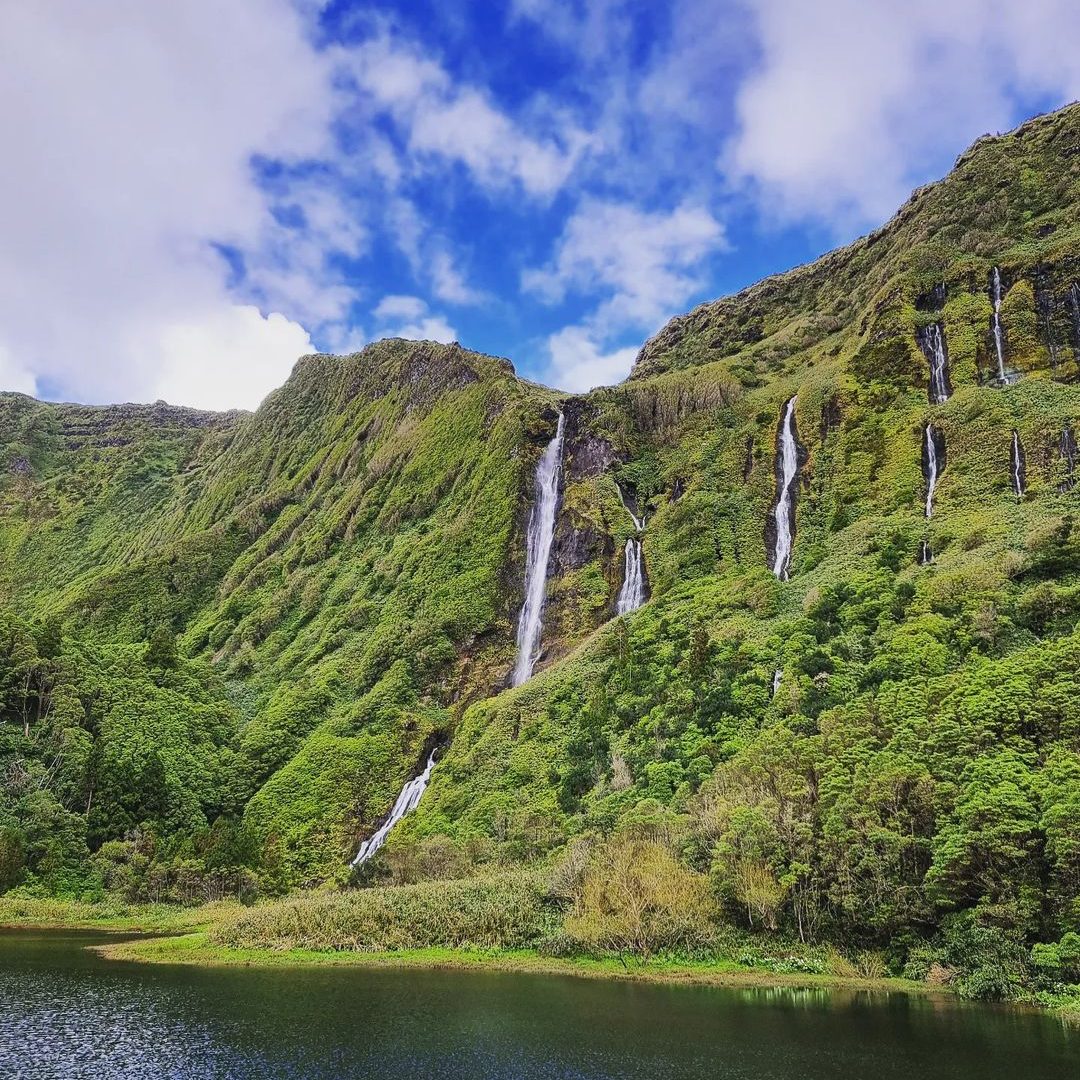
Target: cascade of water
[1016, 461]
[777, 677]
[632, 593]
[926, 556]
[930, 451]
[537, 551]
[784, 511]
[995, 325]
[1068, 455]
[932, 341]
[407, 801]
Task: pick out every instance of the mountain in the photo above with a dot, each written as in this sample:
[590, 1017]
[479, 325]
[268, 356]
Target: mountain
[230, 639]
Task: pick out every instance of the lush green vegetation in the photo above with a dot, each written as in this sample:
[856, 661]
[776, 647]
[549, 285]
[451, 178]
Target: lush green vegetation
[227, 640]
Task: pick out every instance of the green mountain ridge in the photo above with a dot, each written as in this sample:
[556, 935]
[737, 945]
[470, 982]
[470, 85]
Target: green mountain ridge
[229, 639]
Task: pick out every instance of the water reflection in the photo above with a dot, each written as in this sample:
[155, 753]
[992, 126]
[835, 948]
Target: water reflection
[66, 1014]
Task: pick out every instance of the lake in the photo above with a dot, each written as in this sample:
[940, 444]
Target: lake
[66, 1013]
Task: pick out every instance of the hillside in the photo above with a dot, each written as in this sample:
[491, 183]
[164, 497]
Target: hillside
[230, 639]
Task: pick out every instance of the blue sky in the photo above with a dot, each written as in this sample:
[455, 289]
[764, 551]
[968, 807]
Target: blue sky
[204, 192]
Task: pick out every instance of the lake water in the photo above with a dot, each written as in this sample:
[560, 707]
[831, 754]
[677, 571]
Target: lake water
[66, 1013]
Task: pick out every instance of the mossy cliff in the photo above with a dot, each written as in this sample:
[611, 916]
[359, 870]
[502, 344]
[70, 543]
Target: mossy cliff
[885, 748]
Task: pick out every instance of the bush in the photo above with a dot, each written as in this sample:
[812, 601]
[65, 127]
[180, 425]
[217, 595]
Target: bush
[636, 897]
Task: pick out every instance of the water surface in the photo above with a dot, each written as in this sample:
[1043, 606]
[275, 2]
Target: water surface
[66, 1013]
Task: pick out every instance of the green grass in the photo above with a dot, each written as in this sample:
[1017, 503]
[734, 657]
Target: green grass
[48, 914]
[199, 949]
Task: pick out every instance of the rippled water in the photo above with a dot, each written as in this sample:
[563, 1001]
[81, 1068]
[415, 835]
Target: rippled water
[65, 1013]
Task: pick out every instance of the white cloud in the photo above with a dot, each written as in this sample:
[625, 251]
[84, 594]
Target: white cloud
[13, 376]
[128, 131]
[852, 101]
[408, 317]
[449, 284]
[459, 123]
[231, 358]
[578, 363]
[645, 262]
[399, 307]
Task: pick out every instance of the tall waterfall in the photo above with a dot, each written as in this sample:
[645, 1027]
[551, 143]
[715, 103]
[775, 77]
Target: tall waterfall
[407, 801]
[932, 340]
[995, 325]
[777, 679]
[930, 452]
[784, 511]
[632, 593]
[537, 550]
[1068, 455]
[1017, 465]
[926, 556]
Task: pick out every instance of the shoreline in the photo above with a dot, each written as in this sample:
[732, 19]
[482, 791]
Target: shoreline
[196, 950]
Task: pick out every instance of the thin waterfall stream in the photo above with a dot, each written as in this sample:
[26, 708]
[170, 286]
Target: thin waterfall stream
[995, 325]
[931, 470]
[784, 511]
[540, 534]
[633, 592]
[932, 340]
[407, 801]
[1017, 465]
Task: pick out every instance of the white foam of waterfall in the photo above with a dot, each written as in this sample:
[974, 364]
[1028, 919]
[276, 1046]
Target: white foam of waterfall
[406, 802]
[782, 512]
[777, 678]
[931, 470]
[632, 593]
[926, 556]
[939, 387]
[1017, 463]
[537, 551]
[995, 325]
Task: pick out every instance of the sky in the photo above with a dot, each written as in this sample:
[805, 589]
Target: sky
[195, 194]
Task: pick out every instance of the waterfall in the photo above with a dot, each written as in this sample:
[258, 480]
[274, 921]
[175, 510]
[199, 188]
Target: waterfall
[632, 593]
[1068, 455]
[926, 556]
[930, 452]
[787, 470]
[932, 340]
[777, 677]
[1016, 461]
[537, 550]
[408, 800]
[995, 325]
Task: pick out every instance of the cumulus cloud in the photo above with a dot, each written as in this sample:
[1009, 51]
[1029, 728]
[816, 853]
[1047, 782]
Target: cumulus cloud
[645, 262]
[853, 101]
[14, 376]
[639, 266]
[577, 363]
[409, 317]
[129, 132]
[459, 123]
[226, 358]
